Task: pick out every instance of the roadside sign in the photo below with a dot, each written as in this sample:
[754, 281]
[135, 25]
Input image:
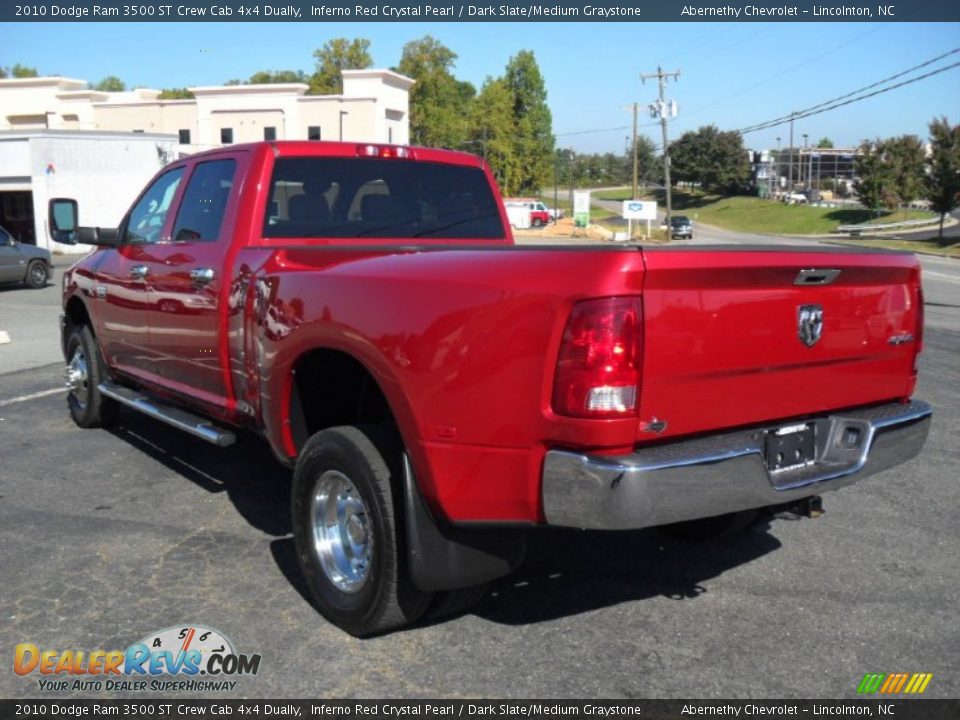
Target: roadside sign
[581, 208]
[639, 210]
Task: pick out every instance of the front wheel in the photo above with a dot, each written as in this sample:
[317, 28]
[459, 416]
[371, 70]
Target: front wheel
[82, 375]
[537, 222]
[37, 275]
[347, 527]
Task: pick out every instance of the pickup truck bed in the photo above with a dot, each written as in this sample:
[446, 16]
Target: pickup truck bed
[437, 388]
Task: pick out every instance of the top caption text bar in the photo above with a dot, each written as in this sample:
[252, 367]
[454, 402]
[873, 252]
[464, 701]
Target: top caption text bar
[512, 11]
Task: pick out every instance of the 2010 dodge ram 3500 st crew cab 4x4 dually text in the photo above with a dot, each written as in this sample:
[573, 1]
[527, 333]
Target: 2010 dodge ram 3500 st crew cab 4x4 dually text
[439, 391]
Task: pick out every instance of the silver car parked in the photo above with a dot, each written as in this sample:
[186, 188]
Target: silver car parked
[21, 263]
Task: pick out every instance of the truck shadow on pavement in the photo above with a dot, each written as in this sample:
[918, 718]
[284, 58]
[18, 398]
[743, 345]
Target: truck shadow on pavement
[566, 572]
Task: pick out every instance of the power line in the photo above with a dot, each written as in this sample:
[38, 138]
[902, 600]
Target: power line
[845, 43]
[600, 130]
[806, 112]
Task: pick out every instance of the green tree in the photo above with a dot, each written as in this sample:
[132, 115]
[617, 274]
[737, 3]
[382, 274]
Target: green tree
[890, 172]
[3, 73]
[533, 123]
[276, 77]
[874, 175]
[111, 83]
[334, 57]
[715, 159]
[908, 170]
[648, 165]
[943, 165]
[176, 94]
[825, 143]
[439, 103]
[22, 71]
[492, 132]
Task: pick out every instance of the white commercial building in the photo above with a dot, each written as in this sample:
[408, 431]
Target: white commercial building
[102, 171]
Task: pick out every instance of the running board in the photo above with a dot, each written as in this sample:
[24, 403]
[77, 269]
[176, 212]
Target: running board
[180, 419]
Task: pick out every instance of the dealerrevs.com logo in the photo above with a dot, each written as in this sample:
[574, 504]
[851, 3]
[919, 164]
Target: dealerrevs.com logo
[184, 658]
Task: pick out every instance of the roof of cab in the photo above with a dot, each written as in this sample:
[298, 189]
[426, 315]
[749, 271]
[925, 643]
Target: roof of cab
[322, 148]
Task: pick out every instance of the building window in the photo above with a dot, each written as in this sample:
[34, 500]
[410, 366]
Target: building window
[226, 136]
[139, 131]
[184, 137]
[313, 132]
[269, 133]
[18, 206]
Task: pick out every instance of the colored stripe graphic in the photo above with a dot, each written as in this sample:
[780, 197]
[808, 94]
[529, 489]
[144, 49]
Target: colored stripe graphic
[894, 683]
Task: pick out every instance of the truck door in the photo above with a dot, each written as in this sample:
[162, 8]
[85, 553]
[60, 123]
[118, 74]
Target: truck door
[186, 282]
[120, 283]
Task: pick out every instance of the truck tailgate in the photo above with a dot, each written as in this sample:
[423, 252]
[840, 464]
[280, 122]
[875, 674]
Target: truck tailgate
[731, 335]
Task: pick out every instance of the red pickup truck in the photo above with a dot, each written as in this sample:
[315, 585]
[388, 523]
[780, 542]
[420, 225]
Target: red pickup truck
[439, 391]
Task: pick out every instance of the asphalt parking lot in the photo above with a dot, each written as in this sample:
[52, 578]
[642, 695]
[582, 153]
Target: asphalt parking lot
[107, 536]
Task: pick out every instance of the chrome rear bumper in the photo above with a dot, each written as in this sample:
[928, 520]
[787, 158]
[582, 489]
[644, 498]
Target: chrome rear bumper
[723, 473]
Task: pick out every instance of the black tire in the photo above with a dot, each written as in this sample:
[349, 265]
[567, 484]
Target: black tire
[537, 222]
[711, 528]
[88, 407]
[369, 458]
[37, 275]
[455, 602]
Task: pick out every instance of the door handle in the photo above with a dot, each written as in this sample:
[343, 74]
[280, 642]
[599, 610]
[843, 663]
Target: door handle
[202, 276]
[139, 272]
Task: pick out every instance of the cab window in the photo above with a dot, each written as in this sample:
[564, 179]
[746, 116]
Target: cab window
[204, 203]
[149, 214]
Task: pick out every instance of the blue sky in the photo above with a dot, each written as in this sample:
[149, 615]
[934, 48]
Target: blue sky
[733, 74]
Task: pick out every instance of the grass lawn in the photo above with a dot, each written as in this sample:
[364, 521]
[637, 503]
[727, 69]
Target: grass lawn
[621, 194]
[930, 246]
[751, 214]
[563, 202]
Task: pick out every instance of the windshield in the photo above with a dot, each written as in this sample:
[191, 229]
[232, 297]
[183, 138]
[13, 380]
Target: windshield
[378, 198]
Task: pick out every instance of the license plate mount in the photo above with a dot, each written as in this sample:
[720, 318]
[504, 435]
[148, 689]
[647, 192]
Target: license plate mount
[790, 447]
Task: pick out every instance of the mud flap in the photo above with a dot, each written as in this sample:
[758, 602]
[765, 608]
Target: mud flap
[448, 558]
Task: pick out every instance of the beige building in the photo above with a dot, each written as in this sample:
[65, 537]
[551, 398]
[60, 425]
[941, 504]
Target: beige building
[374, 107]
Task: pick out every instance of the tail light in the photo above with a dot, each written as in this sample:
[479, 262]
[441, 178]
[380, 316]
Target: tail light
[598, 370]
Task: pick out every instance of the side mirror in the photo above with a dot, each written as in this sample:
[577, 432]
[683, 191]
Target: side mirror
[62, 220]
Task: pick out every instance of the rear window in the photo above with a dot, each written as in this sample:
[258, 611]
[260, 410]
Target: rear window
[373, 197]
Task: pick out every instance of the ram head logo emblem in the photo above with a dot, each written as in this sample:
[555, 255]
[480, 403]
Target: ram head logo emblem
[809, 324]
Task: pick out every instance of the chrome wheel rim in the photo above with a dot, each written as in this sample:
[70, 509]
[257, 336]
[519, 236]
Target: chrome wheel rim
[38, 274]
[342, 538]
[75, 377]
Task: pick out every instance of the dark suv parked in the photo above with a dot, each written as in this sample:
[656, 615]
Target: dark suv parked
[681, 227]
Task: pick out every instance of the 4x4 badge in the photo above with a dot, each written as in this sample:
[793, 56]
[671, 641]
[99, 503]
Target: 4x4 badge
[809, 324]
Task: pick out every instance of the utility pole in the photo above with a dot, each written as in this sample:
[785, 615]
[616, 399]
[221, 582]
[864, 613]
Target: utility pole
[633, 151]
[779, 160]
[790, 182]
[660, 108]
